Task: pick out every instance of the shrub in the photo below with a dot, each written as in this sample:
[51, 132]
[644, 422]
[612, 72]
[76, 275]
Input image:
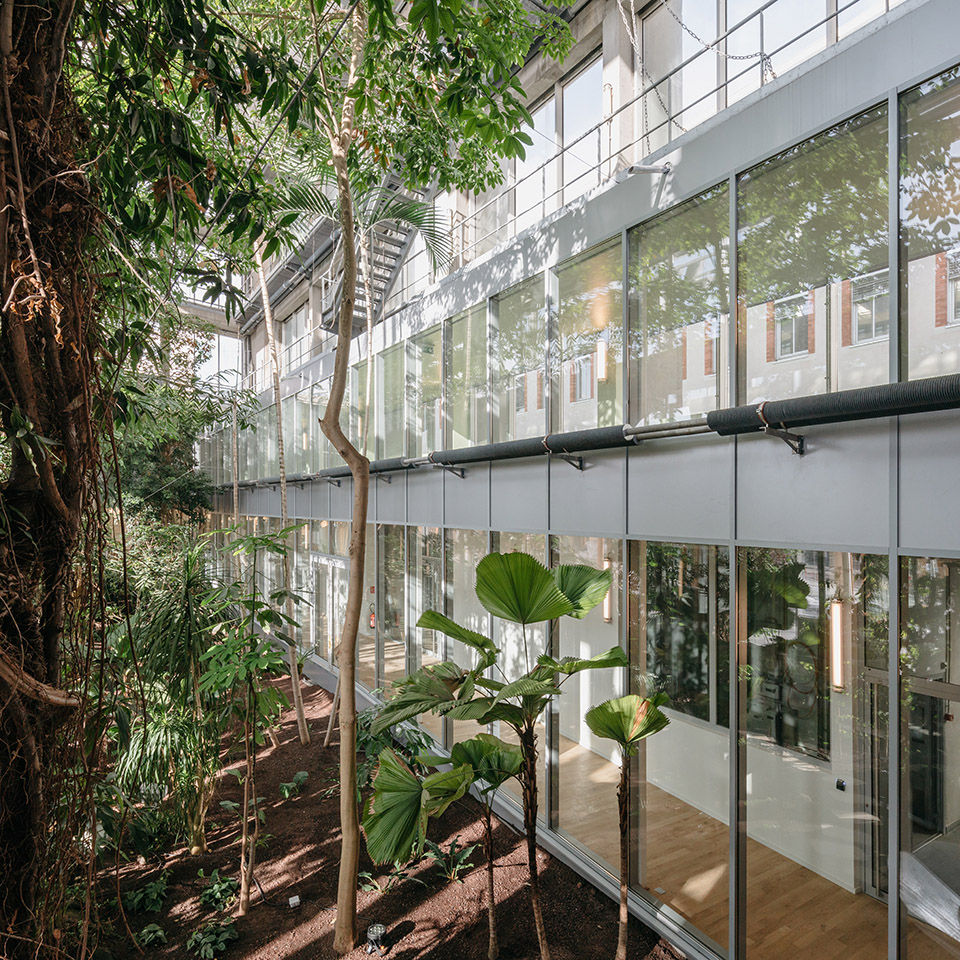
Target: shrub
[291, 789]
[211, 939]
[149, 897]
[219, 892]
[151, 934]
[449, 862]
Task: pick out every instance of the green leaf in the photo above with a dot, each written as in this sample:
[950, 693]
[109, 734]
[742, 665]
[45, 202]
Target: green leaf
[614, 657]
[431, 620]
[493, 761]
[627, 720]
[583, 586]
[395, 822]
[517, 587]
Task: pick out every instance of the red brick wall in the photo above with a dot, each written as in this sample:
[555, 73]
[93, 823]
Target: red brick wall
[940, 296]
[846, 314]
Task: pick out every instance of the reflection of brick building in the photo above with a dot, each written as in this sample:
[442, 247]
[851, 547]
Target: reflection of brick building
[586, 294]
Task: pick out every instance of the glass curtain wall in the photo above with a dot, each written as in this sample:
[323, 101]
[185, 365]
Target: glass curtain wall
[679, 311]
[679, 635]
[466, 379]
[589, 766]
[390, 412]
[367, 633]
[391, 615]
[519, 361]
[519, 649]
[816, 754]
[590, 325]
[425, 591]
[535, 194]
[930, 741]
[813, 269]
[930, 227]
[582, 108]
[358, 429]
[463, 550]
[425, 390]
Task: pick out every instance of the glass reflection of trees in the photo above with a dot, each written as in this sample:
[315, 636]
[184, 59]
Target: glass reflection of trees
[687, 590]
[679, 269]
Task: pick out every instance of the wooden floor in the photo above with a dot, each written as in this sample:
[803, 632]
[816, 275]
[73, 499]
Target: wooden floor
[791, 911]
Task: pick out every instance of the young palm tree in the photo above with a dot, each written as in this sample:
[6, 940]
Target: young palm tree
[518, 588]
[393, 823]
[627, 721]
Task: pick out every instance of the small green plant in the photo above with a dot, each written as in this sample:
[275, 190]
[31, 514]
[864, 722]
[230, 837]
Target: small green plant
[399, 873]
[151, 934]
[449, 862]
[219, 892]
[149, 897]
[234, 807]
[211, 939]
[291, 789]
[370, 745]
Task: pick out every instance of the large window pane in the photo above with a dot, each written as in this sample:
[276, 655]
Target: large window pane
[467, 378]
[424, 387]
[464, 550]
[582, 109]
[813, 278]
[930, 789]
[391, 587]
[816, 751]
[519, 364]
[679, 309]
[679, 645]
[390, 402]
[589, 765]
[930, 227]
[590, 324]
[689, 94]
[535, 194]
[425, 587]
[359, 428]
[367, 633]
[519, 649]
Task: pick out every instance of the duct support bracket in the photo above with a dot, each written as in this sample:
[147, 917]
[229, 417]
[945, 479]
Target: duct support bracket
[333, 480]
[575, 462]
[385, 477]
[795, 441]
[450, 468]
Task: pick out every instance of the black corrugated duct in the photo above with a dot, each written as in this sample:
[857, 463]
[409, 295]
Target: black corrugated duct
[576, 441]
[864, 403]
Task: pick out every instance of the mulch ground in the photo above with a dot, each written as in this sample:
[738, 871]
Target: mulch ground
[436, 918]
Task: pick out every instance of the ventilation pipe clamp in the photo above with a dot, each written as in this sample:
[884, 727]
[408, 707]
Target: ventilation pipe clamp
[795, 441]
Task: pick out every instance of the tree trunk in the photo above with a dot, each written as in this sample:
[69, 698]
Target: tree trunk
[295, 681]
[623, 803]
[48, 338]
[341, 139]
[528, 744]
[493, 948]
[333, 713]
[248, 849]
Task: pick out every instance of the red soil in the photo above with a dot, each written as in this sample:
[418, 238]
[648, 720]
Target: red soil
[440, 920]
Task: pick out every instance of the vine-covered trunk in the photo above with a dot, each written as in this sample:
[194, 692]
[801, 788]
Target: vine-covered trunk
[528, 744]
[48, 333]
[493, 948]
[623, 803]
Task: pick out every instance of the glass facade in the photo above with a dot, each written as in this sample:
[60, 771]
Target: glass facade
[796, 743]
[816, 748]
[589, 387]
[466, 379]
[813, 265]
[679, 310]
[519, 364]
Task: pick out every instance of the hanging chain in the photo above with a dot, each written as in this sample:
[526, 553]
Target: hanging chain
[766, 62]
